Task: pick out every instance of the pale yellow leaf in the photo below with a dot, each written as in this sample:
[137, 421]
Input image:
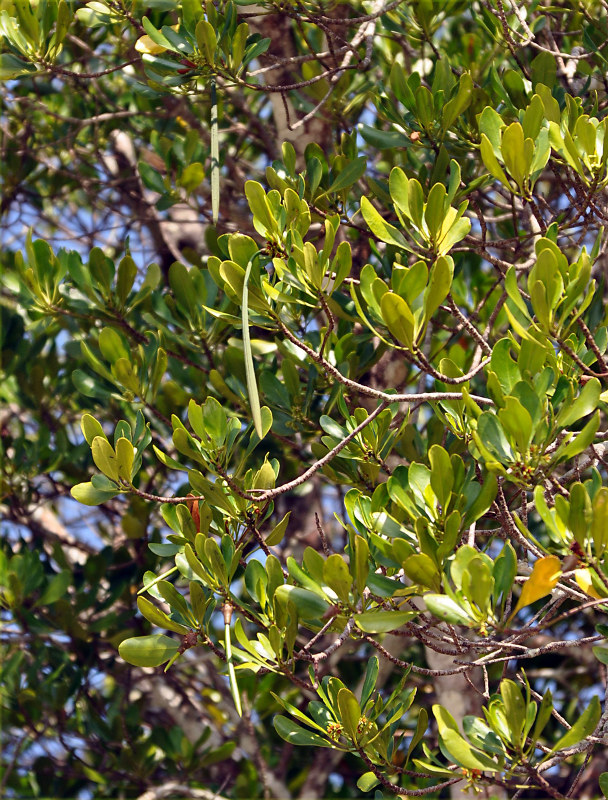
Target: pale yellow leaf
[145, 45]
[583, 578]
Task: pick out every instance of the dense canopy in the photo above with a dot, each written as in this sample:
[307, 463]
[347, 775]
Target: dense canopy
[303, 484]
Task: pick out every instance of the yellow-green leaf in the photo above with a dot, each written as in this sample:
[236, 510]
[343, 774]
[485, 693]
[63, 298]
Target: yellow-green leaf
[105, 457]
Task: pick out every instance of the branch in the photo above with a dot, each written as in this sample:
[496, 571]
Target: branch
[173, 789]
[361, 388]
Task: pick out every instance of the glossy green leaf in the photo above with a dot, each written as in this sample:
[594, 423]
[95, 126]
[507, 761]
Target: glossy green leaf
[465, 755]
[443, 607]
[379, 227]
[368, 781]
[293, 733]
[158, 617]
[458, 104]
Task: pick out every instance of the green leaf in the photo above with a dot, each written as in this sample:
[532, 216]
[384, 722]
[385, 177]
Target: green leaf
[419, 733]
[278, 532]
[308, 604]
[337, 576]
[435, 210]
[255, 50]
[515, 709]
[517, 422]
[258, 203]
[125, 455]
[383, 140]
[383, 621]
[599, 524]
[422, 570]
[216, 560]
[443, 607]
[442, 476]
[440, 283]
[252, 388]
[125, 278]
[266, 421]
[398, 318]
[350, 712]
[57, 587]
[585, 403]
[91, 428]
[544, 70]
[379, 227]
[12, 67]
[368, 780]
[514, 153]
[360, 565]
[491, 162]
[88, 495]
[584, 726]
[158, 617]
[464, 754]
[192, 176]
[543, 715]
[156, 36]
[264, 478]
[458, 104]
[174, 598]
[493, 437]
[207, 40]
[369, 683]
[112, 345]
[151, 178]
[601, 653]
[349, 175]
[295, 734]
[195, 565]
[148, 651]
